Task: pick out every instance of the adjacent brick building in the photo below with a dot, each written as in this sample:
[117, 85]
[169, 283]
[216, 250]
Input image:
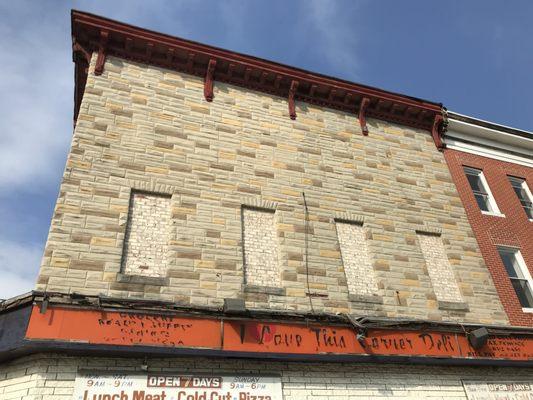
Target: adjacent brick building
[502, 214]
[229, 223]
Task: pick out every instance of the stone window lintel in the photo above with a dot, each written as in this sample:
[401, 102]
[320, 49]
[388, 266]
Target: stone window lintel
[453, 306]
[277, 291]
[144, 280]
[365, 298]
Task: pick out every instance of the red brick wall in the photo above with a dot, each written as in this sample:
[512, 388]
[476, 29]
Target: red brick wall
[512, 230]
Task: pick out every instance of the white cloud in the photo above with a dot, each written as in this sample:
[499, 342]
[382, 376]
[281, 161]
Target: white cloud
[19, 264]
[36, 86]
[13, 285]
[336, 38]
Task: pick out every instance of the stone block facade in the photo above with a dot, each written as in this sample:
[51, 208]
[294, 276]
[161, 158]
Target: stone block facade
[51, 377]
[148, 129]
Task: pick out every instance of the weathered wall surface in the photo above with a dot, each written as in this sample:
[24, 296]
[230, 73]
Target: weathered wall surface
[150, 129]
[51, 377]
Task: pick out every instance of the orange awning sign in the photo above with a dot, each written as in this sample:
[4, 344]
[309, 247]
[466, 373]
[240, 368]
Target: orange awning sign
[133, 329]
[120, 328]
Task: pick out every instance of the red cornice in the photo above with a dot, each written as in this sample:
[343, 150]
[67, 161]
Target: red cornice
[108, 37]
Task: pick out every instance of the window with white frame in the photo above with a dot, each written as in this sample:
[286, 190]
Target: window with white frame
[480, 188]
[524, 194]
[519, 274]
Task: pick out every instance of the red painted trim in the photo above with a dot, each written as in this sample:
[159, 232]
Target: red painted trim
[100, 60]
[130, 42]
[362, 117]
[436, 132]
[208, 83]
[292, 92]
[77, 48]
[127, 329]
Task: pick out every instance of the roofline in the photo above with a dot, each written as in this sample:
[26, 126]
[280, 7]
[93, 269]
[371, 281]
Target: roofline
[452, 115]
[146, 46]
[487, 139]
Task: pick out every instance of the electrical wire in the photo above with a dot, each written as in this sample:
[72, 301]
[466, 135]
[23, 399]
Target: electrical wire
[306, 241]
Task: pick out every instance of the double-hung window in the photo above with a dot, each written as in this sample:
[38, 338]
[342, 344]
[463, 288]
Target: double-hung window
[524, 195]
[480, 188]
[519, 274]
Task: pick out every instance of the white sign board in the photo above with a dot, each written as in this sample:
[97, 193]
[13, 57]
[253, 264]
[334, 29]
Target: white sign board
[111, 386]
[499, 390]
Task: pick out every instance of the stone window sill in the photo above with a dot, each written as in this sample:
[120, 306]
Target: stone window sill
[453, 306]
[144, 280]
[277, 291]
[493, 214]
[365, 298]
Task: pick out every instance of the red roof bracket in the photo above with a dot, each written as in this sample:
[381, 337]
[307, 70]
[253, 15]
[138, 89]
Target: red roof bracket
[190, 62]
[208, 82]
[170, 55]
[78, 48]
[436, 131]
[277, 81]
[100, 60]
[362, 115]
[134, 43]
[292, 92]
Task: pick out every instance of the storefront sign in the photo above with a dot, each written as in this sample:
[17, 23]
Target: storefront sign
[251, 336]
[499, 390]
[318, 339]
[109, 386]
[117, 328]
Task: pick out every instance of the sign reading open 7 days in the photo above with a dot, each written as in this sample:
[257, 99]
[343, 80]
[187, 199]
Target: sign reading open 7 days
[109, 386]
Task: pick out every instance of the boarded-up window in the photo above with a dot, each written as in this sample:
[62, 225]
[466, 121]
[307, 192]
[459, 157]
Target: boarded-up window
[439, 268]
[356, 259]
[260, 247]
[147, 233]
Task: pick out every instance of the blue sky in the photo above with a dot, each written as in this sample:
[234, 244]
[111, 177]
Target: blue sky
[476, 57]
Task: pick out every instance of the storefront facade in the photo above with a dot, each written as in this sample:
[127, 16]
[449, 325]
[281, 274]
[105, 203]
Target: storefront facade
[229, 227]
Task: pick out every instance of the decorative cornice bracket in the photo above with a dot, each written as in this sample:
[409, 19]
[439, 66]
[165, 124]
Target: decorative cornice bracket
[208, 82]
[362, 115]
[436, 132]
[292, 92]
[78, 48]
[143, 46]
[100, 60]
